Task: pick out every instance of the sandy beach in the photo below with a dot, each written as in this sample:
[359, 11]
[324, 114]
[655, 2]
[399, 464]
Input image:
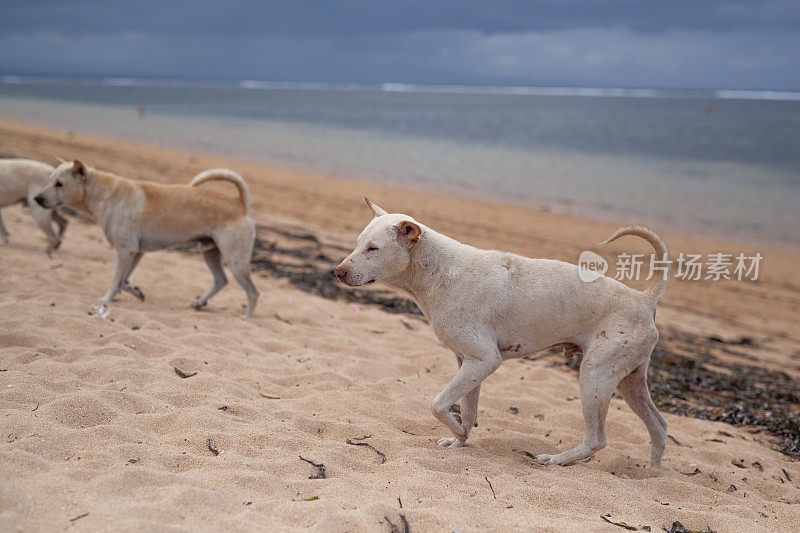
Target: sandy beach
[100, 432]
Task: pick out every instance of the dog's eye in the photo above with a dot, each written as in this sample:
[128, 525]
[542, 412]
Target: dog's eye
[371, 248]
[59, 184]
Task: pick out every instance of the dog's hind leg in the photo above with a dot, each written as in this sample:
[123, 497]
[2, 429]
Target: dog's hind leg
[124, 260]
[3, 230]
[633, 388]
[237, 247]
[213, 260]
[126, 286]
[599, 375]
[605, 364]
[242, 274]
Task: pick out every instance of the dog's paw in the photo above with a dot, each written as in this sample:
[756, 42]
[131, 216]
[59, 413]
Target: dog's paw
[546, 459]
[136, 291]
[199, 303]
[451, 442]
[562, 459]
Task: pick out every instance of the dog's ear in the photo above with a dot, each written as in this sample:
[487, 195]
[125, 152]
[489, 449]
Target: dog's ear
[408, 232]
[376, 211]
[79, 169]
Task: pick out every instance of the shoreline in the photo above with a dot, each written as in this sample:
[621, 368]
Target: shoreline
[608, 215]
[734, 219]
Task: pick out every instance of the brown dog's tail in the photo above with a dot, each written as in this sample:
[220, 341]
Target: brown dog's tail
[654, 291]
[223, 174]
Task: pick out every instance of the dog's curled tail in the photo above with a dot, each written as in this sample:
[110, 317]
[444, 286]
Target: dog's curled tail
[654, 291]
[223, 174]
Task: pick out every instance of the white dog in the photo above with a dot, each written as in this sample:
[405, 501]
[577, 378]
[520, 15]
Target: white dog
[139, 217]
[20, 181]
[488, 306]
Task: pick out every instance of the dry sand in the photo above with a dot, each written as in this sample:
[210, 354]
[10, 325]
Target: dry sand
[95, 419]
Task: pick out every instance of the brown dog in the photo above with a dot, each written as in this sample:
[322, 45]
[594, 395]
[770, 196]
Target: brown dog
[140, 217]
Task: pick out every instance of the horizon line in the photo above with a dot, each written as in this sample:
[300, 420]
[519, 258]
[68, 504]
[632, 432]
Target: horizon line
[521, 90]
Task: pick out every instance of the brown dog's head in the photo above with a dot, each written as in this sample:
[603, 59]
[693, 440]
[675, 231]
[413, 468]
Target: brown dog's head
[67, 186]
[383, 249]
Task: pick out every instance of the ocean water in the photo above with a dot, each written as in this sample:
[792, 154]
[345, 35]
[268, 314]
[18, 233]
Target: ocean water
[719, 163]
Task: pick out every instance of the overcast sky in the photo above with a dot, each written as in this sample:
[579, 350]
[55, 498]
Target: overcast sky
[660, 44]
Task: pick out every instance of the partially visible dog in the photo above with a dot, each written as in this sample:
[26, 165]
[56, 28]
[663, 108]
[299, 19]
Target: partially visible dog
[488, 306]
[20, 181]
[139, 217]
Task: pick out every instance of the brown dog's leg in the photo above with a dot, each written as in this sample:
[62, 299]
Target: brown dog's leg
[236, 245]
[124, 261]
[126, 286]
[242, 275]
[214, 262]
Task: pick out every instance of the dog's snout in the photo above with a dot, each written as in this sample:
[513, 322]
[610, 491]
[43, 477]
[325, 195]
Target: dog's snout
[39, 200]
[340, 272]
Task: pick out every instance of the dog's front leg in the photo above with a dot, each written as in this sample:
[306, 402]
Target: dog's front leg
[469, 417]
[61, 222]
[466, 384]
[469, 409]
[124, 262]
[126, 285]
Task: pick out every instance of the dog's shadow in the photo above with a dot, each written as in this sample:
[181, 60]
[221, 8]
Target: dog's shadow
[523, 453]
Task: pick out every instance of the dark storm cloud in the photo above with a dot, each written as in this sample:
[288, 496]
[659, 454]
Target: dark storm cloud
[615, 43]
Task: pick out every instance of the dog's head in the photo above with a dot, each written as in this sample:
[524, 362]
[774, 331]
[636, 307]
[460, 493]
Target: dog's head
[67, 186]
[383, 249]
